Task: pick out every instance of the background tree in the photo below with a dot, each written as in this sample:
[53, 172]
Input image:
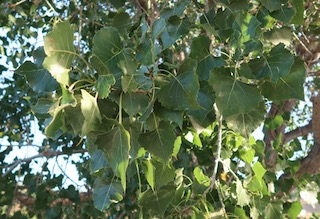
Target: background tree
[164, 97]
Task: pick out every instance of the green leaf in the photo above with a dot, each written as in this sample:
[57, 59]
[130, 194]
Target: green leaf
[284, 14]
[169, 115]
[276, 36]
[275, 123]
[271, 5]
[149, 172]
[295, 209]
[146, 52]
[104, 84]
[246, 123]
[276, 64]
[39, 79]
[122, 22]
[254, 213]
[257, 185]
[60, 51]
[175, 28]
[298, 17]
[74, 117]
[176, 10]
[200, 50]
[240, 213]
[247, 155]
[134, 103]
[90, 111]
[158, 27]
[181, 93]
[54, 129]
[164, 173]
[116, 145]
[156, 202]
[160, 141]
[243, 198]
[245, 26]
[288, 87]
[98, 161]
[273, 210]
[104, 194]
[233, 96]
[177, 145]
[200, 177]
[258, 170]
[111, 54]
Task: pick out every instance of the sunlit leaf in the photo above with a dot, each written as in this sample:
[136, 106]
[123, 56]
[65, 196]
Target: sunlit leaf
[90, 111]
[104, 84]
[243, 198]
[60, 51]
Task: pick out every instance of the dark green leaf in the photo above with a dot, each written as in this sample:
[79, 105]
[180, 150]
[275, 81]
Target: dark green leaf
[233, 96]
[200, 50]
[116, 145]
[58, 46]
[288, 87]
[38, 77]
[175, 28]
[156, 202]
[164, 173]
[246, 123]
[104, 194]
[134, 103]
[181, 93]
[284, 14]
[160, 141]
[122, 22]
[104, 84]
[111, 54]
[277, 64]
[298, 17]
[271, 5]
[98, 161]
[176, 10]
[146, 53]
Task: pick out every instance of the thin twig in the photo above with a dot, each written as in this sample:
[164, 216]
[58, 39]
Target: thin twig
[217, 159]
[47, 153]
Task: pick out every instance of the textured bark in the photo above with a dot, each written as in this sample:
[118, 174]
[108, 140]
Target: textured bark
[271, 155]
[311, 163]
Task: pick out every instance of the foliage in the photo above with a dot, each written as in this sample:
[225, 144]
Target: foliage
[164, 97]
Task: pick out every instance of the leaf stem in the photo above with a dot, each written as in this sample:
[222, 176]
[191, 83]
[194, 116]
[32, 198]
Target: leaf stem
[138, 173]
[120, 109]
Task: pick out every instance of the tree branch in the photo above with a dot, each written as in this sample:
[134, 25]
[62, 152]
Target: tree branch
[49, 153]
[300, 131]
[310, 164]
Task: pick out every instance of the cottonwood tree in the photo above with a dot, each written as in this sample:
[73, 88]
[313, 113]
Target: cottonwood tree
[160, 99]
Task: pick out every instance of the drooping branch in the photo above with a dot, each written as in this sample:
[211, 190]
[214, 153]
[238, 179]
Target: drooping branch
[48, 153]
